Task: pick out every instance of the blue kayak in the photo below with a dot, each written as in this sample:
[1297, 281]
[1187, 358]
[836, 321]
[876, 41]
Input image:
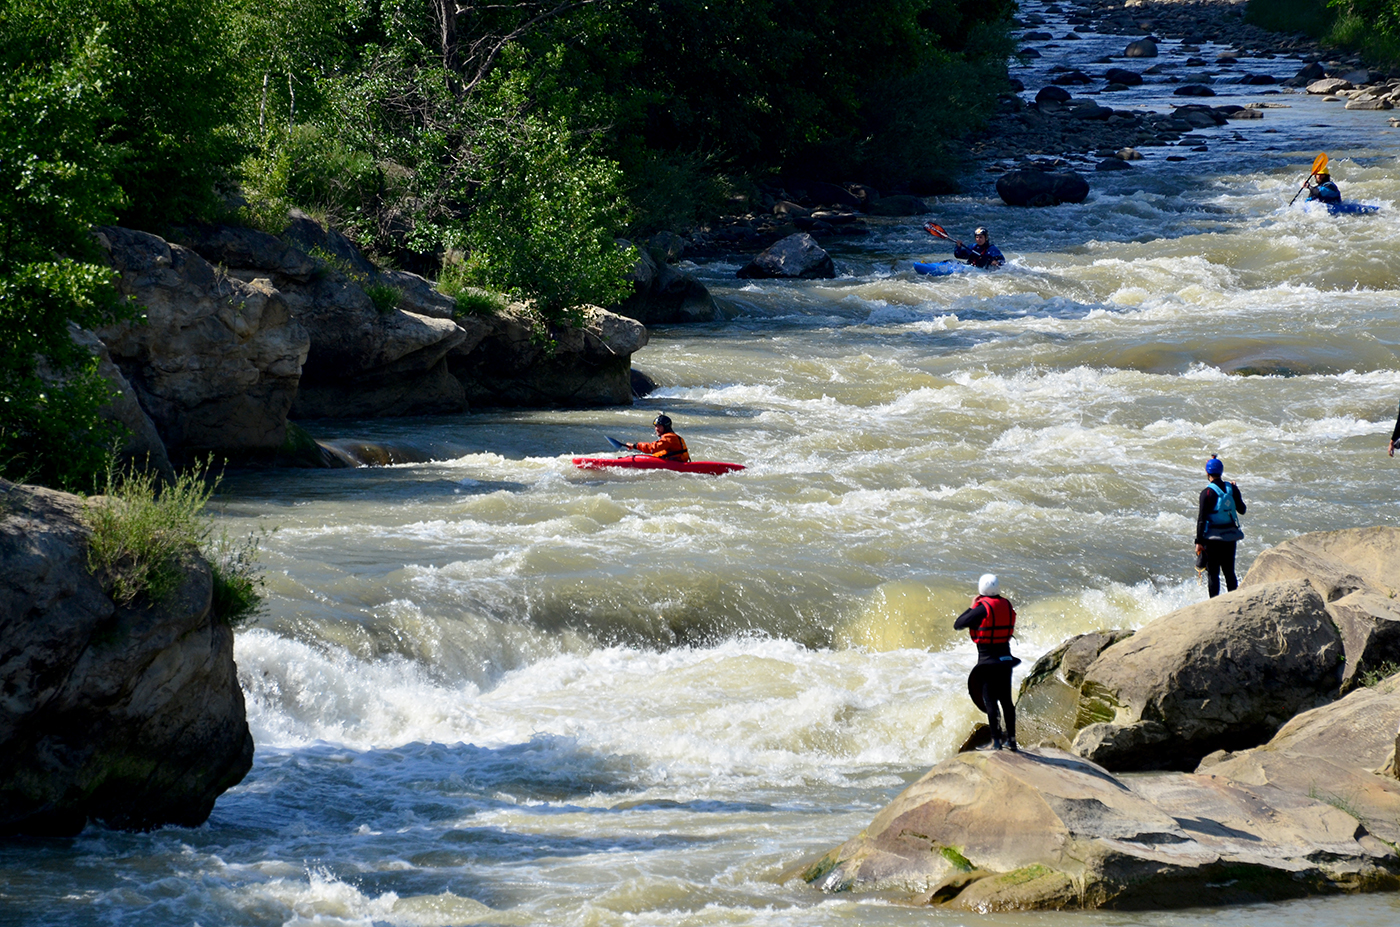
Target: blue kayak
[942, 268]
[1351, 209]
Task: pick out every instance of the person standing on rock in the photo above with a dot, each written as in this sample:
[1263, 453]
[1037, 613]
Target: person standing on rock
[1324, 191]
[1218, 527]
[668, 445]
[982, 254]
[990, 622]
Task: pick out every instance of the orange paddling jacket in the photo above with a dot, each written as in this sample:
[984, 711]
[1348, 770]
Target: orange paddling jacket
[669, 446]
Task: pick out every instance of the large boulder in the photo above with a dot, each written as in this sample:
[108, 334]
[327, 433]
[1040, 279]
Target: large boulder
[794, 257]
[663, 294]
[1356, 731]
[1306, 75]
[588, 366]
[326, 244]
[128, 715]
[217, 361]
[1002, 831]
[1342, 754]
[1041, 188]
[364, 360]
[1222, 674]
[1357, 573]
[240, 250]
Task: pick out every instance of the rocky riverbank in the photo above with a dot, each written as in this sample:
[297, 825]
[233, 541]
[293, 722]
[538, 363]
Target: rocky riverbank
[130, 715]
[246, 332]
[1278, 705]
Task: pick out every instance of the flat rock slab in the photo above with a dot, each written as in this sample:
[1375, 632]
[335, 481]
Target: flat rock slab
[1045, 829]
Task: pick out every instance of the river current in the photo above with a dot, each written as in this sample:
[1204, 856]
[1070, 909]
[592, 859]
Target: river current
[494, 689]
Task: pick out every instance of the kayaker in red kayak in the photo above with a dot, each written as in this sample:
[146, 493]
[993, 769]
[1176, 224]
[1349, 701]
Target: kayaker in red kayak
[667, 446]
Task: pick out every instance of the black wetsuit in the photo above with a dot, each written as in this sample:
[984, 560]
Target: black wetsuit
[990, 680]
[1220, 555]
[1395, 435]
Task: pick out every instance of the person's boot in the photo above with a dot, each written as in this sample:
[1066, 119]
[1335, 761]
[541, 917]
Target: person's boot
[1011, 745]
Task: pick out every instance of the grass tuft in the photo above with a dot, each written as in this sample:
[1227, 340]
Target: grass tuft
[1374, 677]
[142, 533]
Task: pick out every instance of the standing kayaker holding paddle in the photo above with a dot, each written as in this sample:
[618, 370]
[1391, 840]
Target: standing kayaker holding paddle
[667, 446]
[990, 622]
[1218, 527]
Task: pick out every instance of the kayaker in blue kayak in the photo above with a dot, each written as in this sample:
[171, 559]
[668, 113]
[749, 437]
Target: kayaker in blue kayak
[982, 254]
[667, 446]
[1324, 191]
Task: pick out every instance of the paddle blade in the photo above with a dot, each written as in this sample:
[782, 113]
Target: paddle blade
[615, 443]
[1319, 164]
[936, 230]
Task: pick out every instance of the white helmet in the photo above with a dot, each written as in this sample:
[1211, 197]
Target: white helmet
[988, 585]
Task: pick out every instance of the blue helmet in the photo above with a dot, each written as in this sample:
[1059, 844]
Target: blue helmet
[1214, 466]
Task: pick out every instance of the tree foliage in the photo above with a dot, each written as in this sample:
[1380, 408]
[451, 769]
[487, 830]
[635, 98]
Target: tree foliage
[57, 162]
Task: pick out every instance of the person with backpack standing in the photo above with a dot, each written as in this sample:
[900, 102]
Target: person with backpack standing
[1218, 527]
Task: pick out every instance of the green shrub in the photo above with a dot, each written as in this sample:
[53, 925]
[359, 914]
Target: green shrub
[471, 300]
[543, 223]
[238, 578]
[142, 534]
[1372, 27]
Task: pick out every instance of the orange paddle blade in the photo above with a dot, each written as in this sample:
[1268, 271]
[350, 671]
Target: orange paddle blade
[1319, 163]
[936, 230]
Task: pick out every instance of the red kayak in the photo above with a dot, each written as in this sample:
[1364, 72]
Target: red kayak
[648, 462]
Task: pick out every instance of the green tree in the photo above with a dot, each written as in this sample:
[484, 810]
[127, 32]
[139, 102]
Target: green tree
[543, 219]
[57, 163]
[825, 87]
[172, 93]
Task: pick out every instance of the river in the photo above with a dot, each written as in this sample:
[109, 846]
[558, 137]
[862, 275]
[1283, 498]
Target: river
[494, 689]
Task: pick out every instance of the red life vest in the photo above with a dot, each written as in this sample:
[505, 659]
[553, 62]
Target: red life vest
[996, 628]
